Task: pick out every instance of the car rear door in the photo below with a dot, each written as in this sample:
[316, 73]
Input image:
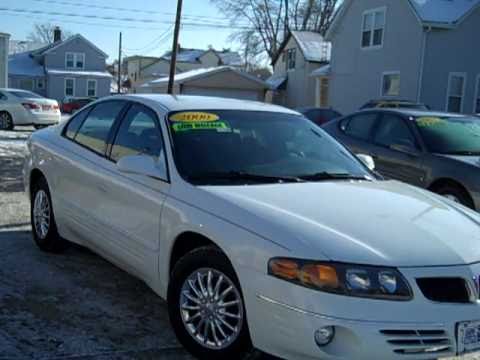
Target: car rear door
[396, 151]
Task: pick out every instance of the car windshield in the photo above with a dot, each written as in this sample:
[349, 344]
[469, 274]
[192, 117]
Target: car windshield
[450, 135]
[24, 94]
[231, 146]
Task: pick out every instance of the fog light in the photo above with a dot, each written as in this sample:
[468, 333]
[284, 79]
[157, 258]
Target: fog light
[324, 335]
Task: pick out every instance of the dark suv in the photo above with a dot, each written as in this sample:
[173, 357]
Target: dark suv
[437, 151]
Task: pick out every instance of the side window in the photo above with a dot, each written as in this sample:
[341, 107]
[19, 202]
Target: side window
[138, 134]
[393, 130]
[75, 123]
[2, 96]
[360, 126]
[94, 131]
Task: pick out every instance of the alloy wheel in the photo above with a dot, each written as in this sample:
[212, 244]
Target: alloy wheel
[453, 198]
[41, 214]
[5, 121]
[211, 308]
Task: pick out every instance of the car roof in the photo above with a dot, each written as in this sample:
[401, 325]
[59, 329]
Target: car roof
[414, 112]
[185, 102]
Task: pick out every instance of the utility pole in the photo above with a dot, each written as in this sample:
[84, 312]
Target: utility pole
[119, 79]
[173, 58]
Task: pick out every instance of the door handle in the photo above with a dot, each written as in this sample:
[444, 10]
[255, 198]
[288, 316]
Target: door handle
[102, 188]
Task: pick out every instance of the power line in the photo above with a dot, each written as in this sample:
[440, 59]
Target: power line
[113, 18]
[103, 7]
[157, 40]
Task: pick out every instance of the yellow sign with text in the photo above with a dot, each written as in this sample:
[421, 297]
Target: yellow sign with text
[193, 117]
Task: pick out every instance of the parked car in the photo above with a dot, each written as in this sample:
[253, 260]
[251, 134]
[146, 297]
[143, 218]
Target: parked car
[319, 116]
[396, 104]
[21, 107]
[72, 105]
[436, 151]
[259, 229]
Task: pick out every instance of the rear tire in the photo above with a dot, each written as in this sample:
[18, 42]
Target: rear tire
[455, 193]
[195, 304]
[44, 228]
[6, 121]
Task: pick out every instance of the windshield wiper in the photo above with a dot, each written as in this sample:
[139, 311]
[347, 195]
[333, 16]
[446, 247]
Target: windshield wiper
[244, 176]
[322, 176]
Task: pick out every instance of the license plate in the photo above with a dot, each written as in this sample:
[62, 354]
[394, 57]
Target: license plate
[46, 107]
[468, 337]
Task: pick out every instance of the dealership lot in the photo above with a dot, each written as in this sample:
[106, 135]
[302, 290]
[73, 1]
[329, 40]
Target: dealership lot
[74, 305]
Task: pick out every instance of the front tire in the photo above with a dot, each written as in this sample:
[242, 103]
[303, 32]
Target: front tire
[6, 121]
[206, 306]
[44, 228]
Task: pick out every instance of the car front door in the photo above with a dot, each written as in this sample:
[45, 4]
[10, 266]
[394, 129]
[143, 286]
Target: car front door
[356, 131]
[396, 152]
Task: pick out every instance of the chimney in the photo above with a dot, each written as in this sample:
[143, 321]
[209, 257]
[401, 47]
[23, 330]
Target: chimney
[57, 34]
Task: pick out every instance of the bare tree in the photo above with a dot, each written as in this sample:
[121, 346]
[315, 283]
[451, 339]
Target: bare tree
[266, 23]
[43, 33]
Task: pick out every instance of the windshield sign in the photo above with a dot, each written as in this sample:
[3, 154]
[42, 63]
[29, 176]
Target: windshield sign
[239, 147]
[451, 135]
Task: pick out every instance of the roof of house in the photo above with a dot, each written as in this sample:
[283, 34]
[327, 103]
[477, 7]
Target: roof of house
[276, 82]
[103, 74]
[437, 13]
[23, 64]
[193, 56]
[50, 47]
[321, 71]
[313, 46]
[201, 73]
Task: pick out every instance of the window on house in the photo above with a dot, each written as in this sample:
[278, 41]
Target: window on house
[477, 97]
[291, 57]
[74, 60]
[456, 90]
[92, 88]
[391, 84]
[69, 87]
[373, 28]
[40, 84]
[26, 84]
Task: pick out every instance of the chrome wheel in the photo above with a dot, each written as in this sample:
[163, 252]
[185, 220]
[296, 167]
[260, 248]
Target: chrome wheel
[452, 197]
[5, 121]
[211, 308]
[41, 214]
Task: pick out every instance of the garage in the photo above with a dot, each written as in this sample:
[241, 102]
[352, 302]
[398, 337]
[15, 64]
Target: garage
[223, 81]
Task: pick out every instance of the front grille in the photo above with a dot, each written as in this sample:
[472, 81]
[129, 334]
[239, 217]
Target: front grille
[416, 342]
[445, 290]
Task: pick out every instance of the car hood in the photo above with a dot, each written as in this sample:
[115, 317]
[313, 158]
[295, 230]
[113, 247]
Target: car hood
[380, 223]
[471, 160]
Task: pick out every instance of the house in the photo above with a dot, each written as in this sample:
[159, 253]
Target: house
[292, 82]
[419, 50]
[220, 81]
[71, 68]
[142, 69]
[4, 46]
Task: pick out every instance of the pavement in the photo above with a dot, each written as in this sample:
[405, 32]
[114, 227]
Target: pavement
[74, 305]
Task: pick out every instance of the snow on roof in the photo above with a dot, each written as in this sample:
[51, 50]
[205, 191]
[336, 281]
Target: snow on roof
[230, 58]
[443, 11]
[321, 71]
[275, 81]
[192, 56]
[79, 73]
[198, 73]
[23, 64]
[313, 45]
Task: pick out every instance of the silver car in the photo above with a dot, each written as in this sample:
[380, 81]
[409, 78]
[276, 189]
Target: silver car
[433, 150]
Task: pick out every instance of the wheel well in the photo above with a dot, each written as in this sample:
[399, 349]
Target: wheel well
[444, 182]
[185, 243]
[35, 175]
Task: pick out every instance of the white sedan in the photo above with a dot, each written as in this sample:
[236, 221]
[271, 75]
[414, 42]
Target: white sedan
[259, 229]
[22, 107]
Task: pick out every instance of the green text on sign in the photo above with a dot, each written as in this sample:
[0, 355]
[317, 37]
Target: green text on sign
[217, 125]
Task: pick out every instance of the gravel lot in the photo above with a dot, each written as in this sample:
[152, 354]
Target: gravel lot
[70, 306]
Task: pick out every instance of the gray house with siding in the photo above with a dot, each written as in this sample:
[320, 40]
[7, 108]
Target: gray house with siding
[419, 50]
[64, 69]
[293, 82]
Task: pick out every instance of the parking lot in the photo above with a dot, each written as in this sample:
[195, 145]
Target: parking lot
[70, 306]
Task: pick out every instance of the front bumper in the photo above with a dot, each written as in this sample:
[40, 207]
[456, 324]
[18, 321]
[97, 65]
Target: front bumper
[283, 319]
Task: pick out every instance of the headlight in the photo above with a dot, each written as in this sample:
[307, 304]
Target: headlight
[343, 279]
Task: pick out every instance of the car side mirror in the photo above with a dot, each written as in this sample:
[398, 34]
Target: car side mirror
[367, 160]
[405, 149]
[143, 165]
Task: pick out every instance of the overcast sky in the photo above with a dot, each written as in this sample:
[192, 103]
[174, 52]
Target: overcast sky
[146, 38]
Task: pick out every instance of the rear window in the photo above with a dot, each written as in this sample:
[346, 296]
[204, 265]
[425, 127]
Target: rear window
[25, 94]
